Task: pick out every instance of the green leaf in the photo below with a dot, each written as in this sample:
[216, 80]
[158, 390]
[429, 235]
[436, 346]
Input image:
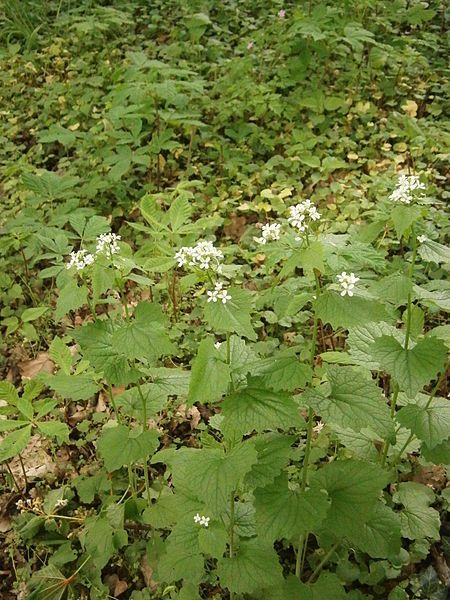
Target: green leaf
[8, 392]
[380, 536]
[14, 443]
[232, 317]
[434, 252]
[182, 559]
[403, 217]
[60, 431]
[417, 518]
[61, 355]
[360, 340]
[350, 399]
[213, 540]
[97, 539]
[120, 446]
[354, 487]
[327, 587]
[96, 342]
[73, 387]
[252, 568]
[284, 513]
[71, 297]
[256, 408]
[345, 311]
[282, 372]
[210, 475]
[430, 424]
[179, 213]
[25, 407]
[412, 368]
[31, 314]
[274, 451]
[210, 376]
[131, 402]
[393, 288]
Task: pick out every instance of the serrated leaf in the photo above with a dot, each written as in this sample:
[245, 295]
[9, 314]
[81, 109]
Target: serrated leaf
[348, 311]
[212, 540]
[412, 368]
[273, 454]
[182, 559]
[417, 518]
[131, 401]
[232, 317]
[354, 487]
[327, 587]
[284, 513]
[71, 297]
[360, 340]
[256, 408]
[120, 446]
[282, 372]
[61, 355]
[403, 217]
[434, 252]
[210, 475]
[210, 376]
[251, 569]
[380, 536]
[351, 400]
[430, 424]
[394, 288]
[54, 429]
[73, 387]
[14, 443]
[8, 392]
[179, 213]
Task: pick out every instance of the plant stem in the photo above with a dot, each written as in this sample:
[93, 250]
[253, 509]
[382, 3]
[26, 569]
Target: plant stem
[410, 275]
[113, 402]
[144, 406]
[393, 405]
[323, 562]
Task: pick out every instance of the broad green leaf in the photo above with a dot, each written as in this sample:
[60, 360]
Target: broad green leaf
[71, 297]
[431, 425]
[97, 539]
[31, 314]
[412, 368]
[360, 443]
[284, 513]
[403, 217]
[360, 340]
[380, 536]
[61, 355]
[354, 488]
[174, 382]
[256, 408]
[212, 541]
[345, 311]
[211, 475]
[417, 518]
[440, 454]
[273, 455]
[252, 568]
[73, 387]
[434, 252]
[210, 376]
[393, 288]
[54, 429]
[96, 343]
[327, 587]
[179, 213]
[350, 399]
[14, 443]
[89, 486]
[131, 401]
[282, 372]
[232, 317]
[183, 559]
[102, 280]
[120, 446]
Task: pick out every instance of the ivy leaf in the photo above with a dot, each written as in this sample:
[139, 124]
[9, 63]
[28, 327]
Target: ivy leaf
[354, 487]
[120, 446]
[255, 408]
[351, 400]
[210, 475]
[380, 536]
[273, 455]
[430, 424]
[412, 368]
[14, 443]
[210, 376]
[96, 343]
[417, 518]
[252, 568]
[284, 513]
[232, 317]
[348, 311]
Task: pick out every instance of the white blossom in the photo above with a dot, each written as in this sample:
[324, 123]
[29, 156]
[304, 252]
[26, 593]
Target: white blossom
[318, 427]
[270, 232]
[301, 214]
[219, 293]
[347, 283]
[61, 503]
[107, 243]
[406, 185]
[202, 256]
[202, 520]
[422, 238]
[217, 345]
[80, 260]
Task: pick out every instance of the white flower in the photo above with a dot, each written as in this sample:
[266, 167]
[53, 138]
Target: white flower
[202, 256]
[318, 428]
[270, 232]
[202, 520]
[219, 293]
[217, 345]
[422, 238]
[406, 184]
[347, 283]
[80, 260]
[61, 503]
[301, 213]
[107, 243]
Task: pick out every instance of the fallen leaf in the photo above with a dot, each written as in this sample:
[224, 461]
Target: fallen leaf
[41, 364]
[410, 108]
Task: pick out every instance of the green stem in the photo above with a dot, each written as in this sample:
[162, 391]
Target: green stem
[410, 275]
[323, 562]
[231, 551]
[113, 403]
[393, 405]
[144, 407]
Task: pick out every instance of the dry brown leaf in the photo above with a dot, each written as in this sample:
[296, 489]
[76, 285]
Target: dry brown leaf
[147, 573]
[40, 364]
[36, 462]
[236, 228]
[410, 108]
[189, 414]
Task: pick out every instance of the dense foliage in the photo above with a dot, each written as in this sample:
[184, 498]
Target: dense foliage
[223, 300]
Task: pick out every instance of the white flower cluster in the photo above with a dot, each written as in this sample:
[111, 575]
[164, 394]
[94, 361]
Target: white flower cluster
[347, 283]
[270, 232]
[203, 256]
[107, 243]
[80, 259]
[30, 504]
[423, 238]
[219, 293]
[406, 185]
[302, 213]
[201, 520]
[61, 503]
